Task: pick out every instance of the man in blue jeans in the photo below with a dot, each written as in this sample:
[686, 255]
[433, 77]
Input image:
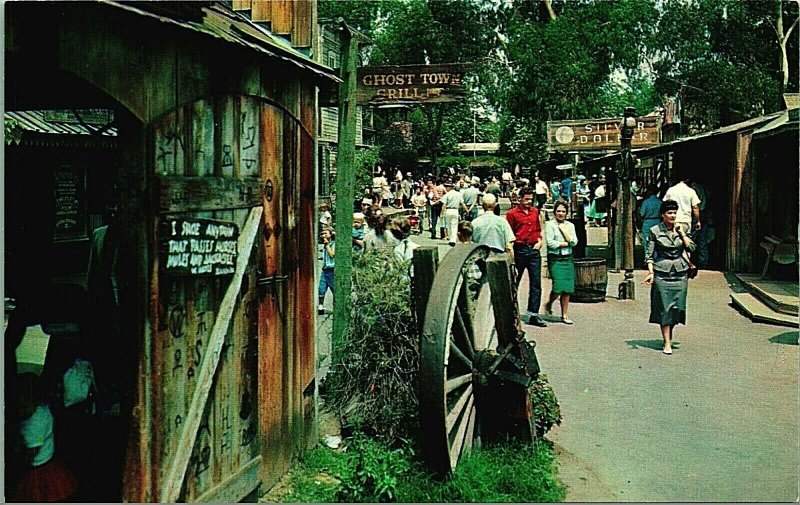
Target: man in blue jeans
[524, 221]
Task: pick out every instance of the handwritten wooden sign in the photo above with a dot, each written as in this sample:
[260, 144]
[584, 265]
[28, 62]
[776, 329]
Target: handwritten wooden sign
[600, 134]
[411, 83]
[194, 246]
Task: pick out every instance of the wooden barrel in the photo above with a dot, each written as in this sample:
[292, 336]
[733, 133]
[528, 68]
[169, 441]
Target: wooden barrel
[591, 280]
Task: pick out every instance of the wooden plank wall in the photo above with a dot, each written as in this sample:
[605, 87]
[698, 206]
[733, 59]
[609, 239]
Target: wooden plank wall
[296, 19]
[274, 307]
[307, 254]
[738, 257]
[227, 441]
[161, 76]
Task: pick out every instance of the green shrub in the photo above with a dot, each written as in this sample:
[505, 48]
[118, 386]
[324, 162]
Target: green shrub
[546, 410]
[375, 471]
[373, 369]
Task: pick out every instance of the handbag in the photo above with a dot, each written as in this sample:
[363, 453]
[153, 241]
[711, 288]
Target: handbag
[692, 267]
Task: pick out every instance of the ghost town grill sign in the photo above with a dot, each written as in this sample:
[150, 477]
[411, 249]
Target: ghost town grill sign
[600, 134]
[411, 83]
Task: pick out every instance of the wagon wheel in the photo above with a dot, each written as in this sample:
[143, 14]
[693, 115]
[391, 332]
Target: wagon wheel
[459, 362]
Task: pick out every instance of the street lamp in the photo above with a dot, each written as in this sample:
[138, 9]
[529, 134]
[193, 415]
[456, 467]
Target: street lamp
[627, 126]
[625, 202]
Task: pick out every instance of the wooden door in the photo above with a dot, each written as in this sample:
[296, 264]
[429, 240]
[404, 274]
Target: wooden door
[223, 339]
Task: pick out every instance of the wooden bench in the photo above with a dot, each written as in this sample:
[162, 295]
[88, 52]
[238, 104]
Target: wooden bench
[782, 251]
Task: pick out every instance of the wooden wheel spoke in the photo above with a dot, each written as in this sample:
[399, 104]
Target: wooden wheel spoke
[458, 408]
[465, 333]
[491, 338]
[457, 382]
[459, 441]
[470, 435]
[460, 354]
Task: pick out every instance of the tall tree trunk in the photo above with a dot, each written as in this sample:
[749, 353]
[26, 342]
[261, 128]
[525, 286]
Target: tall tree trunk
[783, 40]
[549, 5]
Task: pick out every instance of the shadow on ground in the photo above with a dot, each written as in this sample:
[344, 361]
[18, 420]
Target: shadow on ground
[655, 344]
[786, 338]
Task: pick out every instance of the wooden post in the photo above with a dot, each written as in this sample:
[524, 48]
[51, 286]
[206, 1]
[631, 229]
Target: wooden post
[425, 261]
[614, 224]
[627, 288]
[625, 206]
[344, 185]
[498, 268]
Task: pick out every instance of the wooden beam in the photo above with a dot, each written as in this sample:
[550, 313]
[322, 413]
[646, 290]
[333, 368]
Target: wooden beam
[262, 11]
[302, 23]
[205, 377]
[236, 487]
[243, 5]
[281, 16]
[504, 302]
[345, 180]
[424, 261]
[190, 194]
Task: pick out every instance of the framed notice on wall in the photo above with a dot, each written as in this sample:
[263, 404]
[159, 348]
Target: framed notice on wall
[69, 203]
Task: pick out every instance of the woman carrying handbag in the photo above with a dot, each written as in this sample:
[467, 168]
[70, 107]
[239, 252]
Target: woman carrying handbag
[666, 256]
[560, 238]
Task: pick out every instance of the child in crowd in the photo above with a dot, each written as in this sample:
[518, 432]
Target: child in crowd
[465, 237]
[326, 279]
[358, 232]
[324, 216]
[46, 479]
[400, 229]
[464, 232]
[420, 202]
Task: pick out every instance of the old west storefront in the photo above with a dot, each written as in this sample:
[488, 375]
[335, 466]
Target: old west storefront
[750, 174]
[215, 121]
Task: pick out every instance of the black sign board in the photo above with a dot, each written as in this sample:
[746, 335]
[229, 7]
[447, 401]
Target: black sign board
[87, 116]
[197, 247]
[69, 196]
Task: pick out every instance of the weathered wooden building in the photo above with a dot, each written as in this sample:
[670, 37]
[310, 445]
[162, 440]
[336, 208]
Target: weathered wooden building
[750, 170]
[328, 52]
[214, 107]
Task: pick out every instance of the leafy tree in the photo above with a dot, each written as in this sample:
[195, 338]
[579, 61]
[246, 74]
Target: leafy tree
[561, 59]
[434, 31]
[724, 57]
[361, 15]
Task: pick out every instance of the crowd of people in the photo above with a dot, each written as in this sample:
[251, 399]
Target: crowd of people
[461, 208]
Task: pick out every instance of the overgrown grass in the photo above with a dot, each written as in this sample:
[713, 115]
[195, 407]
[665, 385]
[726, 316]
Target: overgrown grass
[317, 478]
[513, 472]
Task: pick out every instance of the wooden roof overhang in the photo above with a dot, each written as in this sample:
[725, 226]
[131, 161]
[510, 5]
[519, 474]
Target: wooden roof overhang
[217, 21]
[674, 145]
[38, 131]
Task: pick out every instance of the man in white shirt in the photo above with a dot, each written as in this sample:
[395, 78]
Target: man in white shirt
[453, 202]
[492, 230]
[688, 204]
[542, 192]
[506, 180]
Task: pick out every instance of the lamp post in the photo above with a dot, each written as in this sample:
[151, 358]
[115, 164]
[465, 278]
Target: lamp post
[625, 203]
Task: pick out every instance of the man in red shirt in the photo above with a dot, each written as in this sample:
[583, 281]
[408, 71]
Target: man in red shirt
[524, 221]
